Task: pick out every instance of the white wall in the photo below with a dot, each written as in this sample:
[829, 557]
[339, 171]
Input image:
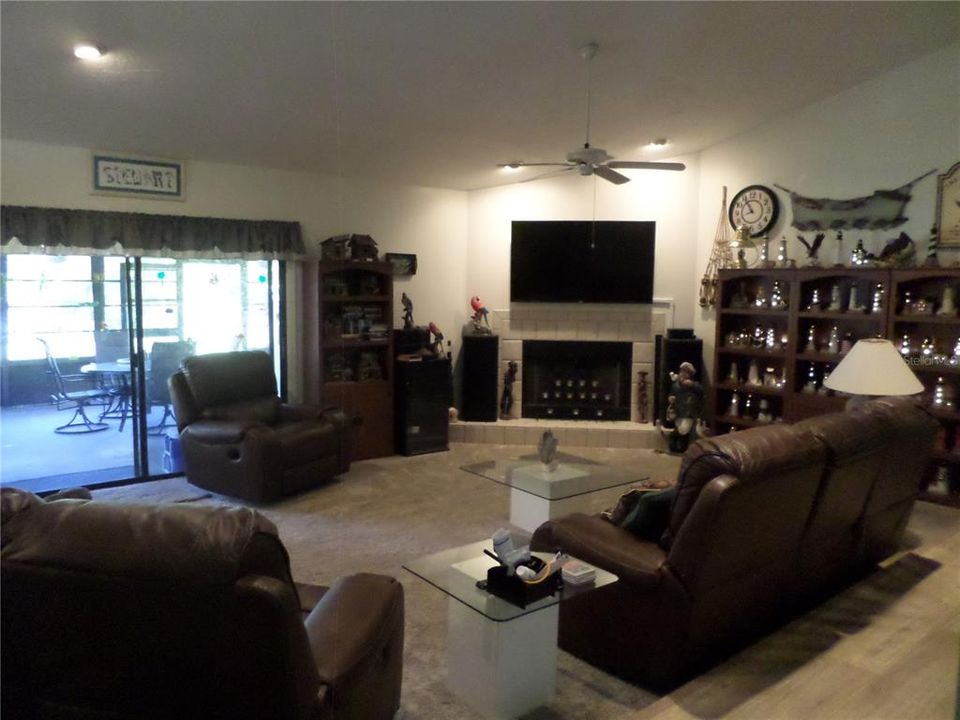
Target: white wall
[668, 198]
[427, 221]
[877, 135]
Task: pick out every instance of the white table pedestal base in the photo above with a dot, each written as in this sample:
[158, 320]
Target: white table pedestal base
[502, 669]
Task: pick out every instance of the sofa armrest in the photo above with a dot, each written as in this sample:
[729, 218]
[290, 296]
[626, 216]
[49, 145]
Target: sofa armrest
[356, 634]
[292, 412]
[220, 432]
[599, 542]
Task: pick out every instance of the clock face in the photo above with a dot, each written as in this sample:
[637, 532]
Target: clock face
[756, 208]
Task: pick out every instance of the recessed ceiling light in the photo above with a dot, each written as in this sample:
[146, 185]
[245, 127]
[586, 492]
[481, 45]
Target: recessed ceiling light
[658, 143]
[511, 167]
[87, 52]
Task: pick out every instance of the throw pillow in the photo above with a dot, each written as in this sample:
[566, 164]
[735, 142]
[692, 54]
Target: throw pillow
[651, 514]
[624, 505]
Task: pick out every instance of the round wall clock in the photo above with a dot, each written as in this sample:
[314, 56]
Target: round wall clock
[755, 207]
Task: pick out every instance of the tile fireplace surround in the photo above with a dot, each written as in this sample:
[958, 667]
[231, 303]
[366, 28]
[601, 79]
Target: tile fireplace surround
[638, 326]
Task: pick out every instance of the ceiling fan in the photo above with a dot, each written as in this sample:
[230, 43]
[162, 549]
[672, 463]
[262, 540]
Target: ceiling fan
[590, 160]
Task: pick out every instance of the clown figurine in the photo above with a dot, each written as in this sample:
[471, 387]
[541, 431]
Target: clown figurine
[481, 325]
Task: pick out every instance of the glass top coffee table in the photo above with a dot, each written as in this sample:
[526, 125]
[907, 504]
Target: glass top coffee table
[538, 493]
[501, 658]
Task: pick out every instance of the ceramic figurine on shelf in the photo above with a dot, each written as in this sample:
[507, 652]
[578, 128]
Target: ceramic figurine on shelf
[876, 305]
[823, 389]
[905, 348]
[859, 255]
[777, 299]
[811, 340]
[771, 339]
[907, 308]
[748, 407]
[855, 305]
[814, 301]
[770, 378]
[948, 305]
[782, 259]
[734, 409]
[764, 415]
[764, 260]
[506, 399]
[927, 347]
[835, 299]
[939, 393]
[753, 373]
[739, 299]
[760, 300]
[734, 375]
[840, 256]
[811, 387]
[847, 343]
[784, 341]
[833, 345]
[956, 352]
[758, 336]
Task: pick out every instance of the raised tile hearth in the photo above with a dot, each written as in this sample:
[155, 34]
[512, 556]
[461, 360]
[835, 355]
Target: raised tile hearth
[570, 433]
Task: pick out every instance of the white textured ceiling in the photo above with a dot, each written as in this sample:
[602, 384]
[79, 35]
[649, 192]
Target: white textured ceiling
[435, 93]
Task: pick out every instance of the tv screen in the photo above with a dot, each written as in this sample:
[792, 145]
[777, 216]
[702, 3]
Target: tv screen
[580, 261]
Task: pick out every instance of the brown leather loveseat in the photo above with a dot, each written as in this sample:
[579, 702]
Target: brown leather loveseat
[175, 611]
[239, 439]
[765, 523]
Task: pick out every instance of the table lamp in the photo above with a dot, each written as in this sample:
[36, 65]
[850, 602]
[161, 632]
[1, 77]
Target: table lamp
[873, 367]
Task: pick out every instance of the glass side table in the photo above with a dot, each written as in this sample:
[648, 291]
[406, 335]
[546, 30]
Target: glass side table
[501, 658]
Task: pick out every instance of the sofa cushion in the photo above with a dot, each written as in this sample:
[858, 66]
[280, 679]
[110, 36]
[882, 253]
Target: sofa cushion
[650, 514]
[225, 378]
[757, 453]
[263, 410]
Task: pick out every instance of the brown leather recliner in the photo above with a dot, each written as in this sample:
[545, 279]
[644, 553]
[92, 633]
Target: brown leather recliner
[765, 522]
[177, 611]
[239, 439]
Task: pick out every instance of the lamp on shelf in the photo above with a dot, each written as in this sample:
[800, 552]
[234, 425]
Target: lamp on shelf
[872, 368]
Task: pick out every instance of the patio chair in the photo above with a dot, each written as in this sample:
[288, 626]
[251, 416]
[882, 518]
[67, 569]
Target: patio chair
[74, 392]
[111, 347]
[165, 359]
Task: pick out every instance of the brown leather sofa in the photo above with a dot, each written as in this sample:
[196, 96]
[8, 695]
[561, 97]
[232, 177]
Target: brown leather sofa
[177, 611]
[765, 523]
[239, 439]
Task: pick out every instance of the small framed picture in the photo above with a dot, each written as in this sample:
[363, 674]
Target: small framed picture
[403, 263]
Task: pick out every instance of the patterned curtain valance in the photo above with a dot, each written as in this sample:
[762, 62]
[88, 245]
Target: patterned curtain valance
[109, 233]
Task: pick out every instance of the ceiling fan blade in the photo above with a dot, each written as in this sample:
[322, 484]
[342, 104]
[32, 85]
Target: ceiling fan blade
[610, 175]
[552, 173]
[526, 164]
[640, 165]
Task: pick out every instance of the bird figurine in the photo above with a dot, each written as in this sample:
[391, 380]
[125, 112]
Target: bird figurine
[812, 248]
[407, 311]
[480, 323]
[900, 252]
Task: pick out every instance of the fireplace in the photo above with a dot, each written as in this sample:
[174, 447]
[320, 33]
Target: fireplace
[571, 380]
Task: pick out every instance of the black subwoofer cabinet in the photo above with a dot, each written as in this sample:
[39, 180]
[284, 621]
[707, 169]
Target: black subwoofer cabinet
[480, 359]
[424, 393]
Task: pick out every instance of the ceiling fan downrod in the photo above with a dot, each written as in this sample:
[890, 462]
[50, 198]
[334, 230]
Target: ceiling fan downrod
[588, 52]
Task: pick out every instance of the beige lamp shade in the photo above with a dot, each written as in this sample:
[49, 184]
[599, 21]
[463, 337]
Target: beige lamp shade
[874, 367]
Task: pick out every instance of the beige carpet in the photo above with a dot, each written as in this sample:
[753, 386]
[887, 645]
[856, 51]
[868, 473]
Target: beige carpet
[385, 512]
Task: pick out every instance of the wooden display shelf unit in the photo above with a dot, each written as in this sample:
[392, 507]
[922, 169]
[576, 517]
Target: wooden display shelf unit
[355, 329]
[809, 294]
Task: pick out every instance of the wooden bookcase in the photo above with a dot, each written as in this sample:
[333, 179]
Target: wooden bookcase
[790, 350]
[356, 350]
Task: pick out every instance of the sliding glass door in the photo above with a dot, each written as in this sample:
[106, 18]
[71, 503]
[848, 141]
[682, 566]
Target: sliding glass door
[87, 344]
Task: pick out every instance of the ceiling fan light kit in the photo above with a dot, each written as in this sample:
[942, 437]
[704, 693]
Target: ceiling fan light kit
[595, 161]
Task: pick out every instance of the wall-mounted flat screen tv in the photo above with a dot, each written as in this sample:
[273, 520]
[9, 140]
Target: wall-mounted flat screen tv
[582, 261]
